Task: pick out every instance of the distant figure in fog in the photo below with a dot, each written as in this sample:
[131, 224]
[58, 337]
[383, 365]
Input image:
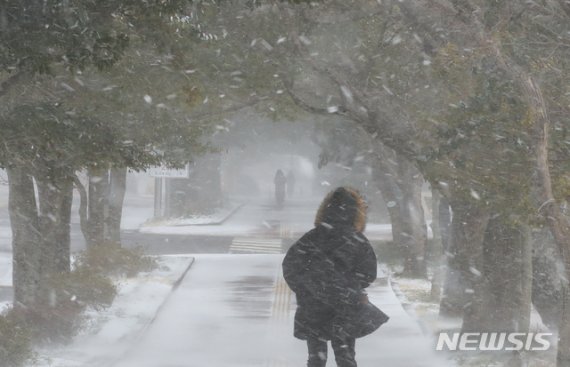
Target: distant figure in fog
[280, 182]
[329, 269]
[290, 183]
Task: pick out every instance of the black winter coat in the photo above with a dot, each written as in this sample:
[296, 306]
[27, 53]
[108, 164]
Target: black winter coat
[328, 269]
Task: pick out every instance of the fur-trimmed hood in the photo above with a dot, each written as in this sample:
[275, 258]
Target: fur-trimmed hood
[343, 207]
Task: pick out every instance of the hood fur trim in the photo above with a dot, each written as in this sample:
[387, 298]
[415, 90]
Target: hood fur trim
[359, 220]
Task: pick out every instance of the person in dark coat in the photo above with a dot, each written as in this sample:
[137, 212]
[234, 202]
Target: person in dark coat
[329, 269]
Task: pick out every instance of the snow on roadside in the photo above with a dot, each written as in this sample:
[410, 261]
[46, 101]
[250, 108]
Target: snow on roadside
[217, 217]
[415, 297]
[414, 294]
[111, 332]
[203, 230]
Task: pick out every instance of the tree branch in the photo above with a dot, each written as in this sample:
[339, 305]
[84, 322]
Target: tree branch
[288, 84]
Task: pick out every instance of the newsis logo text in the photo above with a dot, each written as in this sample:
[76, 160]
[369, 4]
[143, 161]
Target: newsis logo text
[493, 341]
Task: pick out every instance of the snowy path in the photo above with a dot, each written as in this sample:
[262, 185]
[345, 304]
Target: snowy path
[235, 310]
[261, 218]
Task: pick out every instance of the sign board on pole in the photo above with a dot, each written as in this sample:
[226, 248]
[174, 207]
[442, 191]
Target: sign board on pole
[162, 171]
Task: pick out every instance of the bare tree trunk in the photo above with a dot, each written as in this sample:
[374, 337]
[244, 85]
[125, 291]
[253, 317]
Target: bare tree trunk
[63, 263]
[386, 182]
[549, 208]
[436, 248]
[414, 229]
[401, 184]
[101, 205]
[467, 233]
[117, 189]
[502, 280]
[563, 355]
[55, 192]
[444, 216]
[83, 206]
[548, 280]
[25, 236]
[97, 205]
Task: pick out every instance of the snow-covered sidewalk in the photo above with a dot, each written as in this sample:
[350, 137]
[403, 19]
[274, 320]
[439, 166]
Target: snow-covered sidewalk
[111, 332]
[257, 218]
[236, 310]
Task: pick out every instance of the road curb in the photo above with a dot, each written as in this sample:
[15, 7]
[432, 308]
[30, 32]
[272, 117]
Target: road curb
[231, 213]
[407, 306]
[221, 221]
[213, 223]
[175, 286]
[159, 309]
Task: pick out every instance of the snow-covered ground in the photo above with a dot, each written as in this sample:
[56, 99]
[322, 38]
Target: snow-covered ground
[217, 217]
[113, 331]
[260, 217]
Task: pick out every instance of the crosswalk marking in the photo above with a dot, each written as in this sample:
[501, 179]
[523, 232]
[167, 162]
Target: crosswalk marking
[256, 245]
[285, 230]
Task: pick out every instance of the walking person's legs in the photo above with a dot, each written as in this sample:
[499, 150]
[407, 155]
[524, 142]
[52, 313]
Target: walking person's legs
[317, 353]
[344, 351]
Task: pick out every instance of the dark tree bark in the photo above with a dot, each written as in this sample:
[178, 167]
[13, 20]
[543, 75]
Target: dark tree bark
[502, 280]
[55, 196]
[444, 216]
[563, 356]
[41, 236]
[117, 189]
[64, 246]
[83, 206]
[437, 247]
[548, 280]
[386, 183]
[548, 207]
[401, 186]
[97, 204]
[101, 205]
[55, 193]
[25, 236]
[465, 252]
[414, 229]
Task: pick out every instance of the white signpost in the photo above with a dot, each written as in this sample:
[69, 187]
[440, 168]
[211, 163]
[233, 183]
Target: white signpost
[164, 172]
